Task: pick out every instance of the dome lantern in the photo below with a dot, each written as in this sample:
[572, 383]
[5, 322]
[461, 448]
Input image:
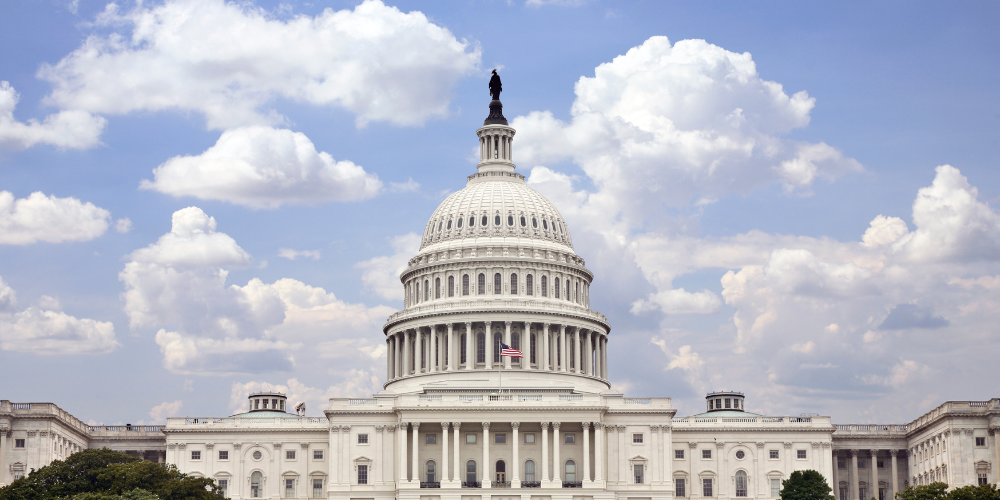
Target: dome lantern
[495, 136]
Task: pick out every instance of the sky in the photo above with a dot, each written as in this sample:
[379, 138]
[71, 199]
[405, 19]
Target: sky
[199, 199]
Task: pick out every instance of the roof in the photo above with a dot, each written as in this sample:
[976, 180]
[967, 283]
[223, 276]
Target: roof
[267, 414]
[727, 413]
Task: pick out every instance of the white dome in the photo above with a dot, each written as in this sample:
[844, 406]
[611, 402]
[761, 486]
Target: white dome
[509, 207]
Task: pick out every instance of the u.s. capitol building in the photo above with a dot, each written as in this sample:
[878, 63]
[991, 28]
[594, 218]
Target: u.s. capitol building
[458, 421]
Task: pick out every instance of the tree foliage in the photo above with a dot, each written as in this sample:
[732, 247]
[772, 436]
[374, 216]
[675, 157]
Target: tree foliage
[109, 475]
[805, 485]
[933, 491]
[980, 492]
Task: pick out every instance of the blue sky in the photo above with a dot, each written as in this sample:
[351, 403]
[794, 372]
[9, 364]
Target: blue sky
[760, 190]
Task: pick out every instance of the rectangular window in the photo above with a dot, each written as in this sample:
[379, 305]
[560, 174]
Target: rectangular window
[773, 454]
[637, 472]
[317, 488]
[195, 455]
[362, 438]
[706, 454]
[500, 438]
[679, 487]
[982, 478]
[470, 439]
[841, 463]
[727, 402]
[529, 438]
[775, 487]
[570, 438]
[881, 493]
[317, 454]
[431, 439]
[223, 455]
[289, 488]
[362, 474]
[843, 493]
[862, 464]
[223, 487]
[679, 454]
[880, 464]
[18, 443]
[637, 438]
[706, 487]
[289, 454]
[801, 454]
[980, 441]
[861, 492]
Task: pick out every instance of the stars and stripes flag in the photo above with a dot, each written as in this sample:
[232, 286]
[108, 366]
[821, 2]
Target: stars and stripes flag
[505, 350]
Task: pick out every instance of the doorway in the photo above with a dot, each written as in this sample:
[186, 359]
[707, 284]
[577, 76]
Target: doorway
[501, 471]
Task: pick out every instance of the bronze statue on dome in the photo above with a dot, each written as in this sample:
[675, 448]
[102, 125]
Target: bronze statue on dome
[495, 86]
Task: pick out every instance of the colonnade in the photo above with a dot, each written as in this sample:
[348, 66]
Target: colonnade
[854, 477]
[439, 348]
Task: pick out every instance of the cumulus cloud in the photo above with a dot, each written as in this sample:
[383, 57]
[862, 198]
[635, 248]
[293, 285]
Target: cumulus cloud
[178, 286]
[229, 60]
[37, 330]
[72, 129]
[679, 301]
[290, 254]
[264, 167]
[50, 219]
[354, 384]
[381, 274]
[123, 225]
[160, 412]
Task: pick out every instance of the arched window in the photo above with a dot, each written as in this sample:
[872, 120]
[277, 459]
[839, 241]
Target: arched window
[533, 348]
[529, 471]
[451, 286]
[484, 221]
[496, 346]
[449, 224]
[741, 483]
[523, 222]
[510, 220]
[545, 224]
[465, 284]
[465, 338]
[437, 288]
[501, 470]
[460, 220]
[557, 287]
[256, 482]
[534, 223]
[570, 476]
[472, 221]
[481, 348]
[567, 289]
[513, 284]
[559, 350]
[529, 285]
[497, 284]
[427, 290]
[470, 471]
[482, 284]
[431, 471]
[576, 292]
[515, 341]
[545, 286]
[496, 220]
[418, 291]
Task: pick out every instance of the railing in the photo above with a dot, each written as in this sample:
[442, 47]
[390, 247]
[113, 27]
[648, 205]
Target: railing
[501, 397]
[529, 397]
[748, 420]
[366, 401]
[471, 484]
[705, 419]
[638, 401]
[800, 419]
[570, 397]
[531, 484]
[430, 484]
[430, 397]
[126, 428]
[21, 406]
[772, 420]
[501, 484]
[479, 305]
[979, 403]
[572, 484]
[871, 428]
[469, 398]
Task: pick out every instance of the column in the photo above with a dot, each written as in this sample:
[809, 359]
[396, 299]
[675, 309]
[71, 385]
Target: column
[458, 466]
[3, 454]
[434, 349]
[853, 493]
[397, 367]
[516, 480]
[895, 474]
[545, 452]
[586, 452]
[416, 446]
[335, 455]
[406, 352]
[345, 459]
[588, 353]
[487, 469]
[444, 453]
[996, 453]
[599, 453]
[873, 466]
[403, 474]
[489, 348]
[563, 361]
[453, 354]
[836, 476]
[604, 357]
[556, 462]
[763, 485]
[654, 456]
[622, 472]
[390, 468]
[470, 342]
[379, 429]
[577, 351]
[506, 340]
[720, 459]
[545, 363]
[526, 363]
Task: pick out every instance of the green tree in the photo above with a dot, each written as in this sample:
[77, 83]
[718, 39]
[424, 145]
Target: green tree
[980, 492]
[805, 485]
[933, 491]
[109, 475]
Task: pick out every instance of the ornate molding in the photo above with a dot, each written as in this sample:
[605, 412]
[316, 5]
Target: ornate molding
[788, 446]
[305, 446]
[209, 445]
[237, 445]
[486, 426]
[515, 425]
[379, 428]
[760, 446]
[598, 425]
[720, 445]
[444, 426]
[456, 425]
[692, 445]
[335, 428]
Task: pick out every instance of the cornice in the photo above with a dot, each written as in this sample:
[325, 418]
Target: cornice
[253, 430]
[753, 429]
[510, 261]
[479, 312]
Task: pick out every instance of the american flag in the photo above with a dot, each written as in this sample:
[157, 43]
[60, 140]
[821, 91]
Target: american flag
[505, 350]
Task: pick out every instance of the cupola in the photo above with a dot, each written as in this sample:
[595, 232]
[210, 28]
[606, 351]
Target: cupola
[267, 401]
[724, 400]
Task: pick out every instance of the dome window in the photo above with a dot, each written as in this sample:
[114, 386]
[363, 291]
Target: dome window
[496, 220]
[545, 224]
[484, 221]
[440, 225]
[497, 284]
[460, 222]
[449, 224]
[510, 220]
[523, 222]
[472, 221]
[534, 223]
[513, 285]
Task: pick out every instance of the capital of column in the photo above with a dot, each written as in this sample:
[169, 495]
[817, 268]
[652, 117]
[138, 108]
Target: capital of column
[171, 445]
[515, 424]
[545, 425]
[277, 446]
[788, 446]
[379, 428]
[456, 425]
[444, 426]
[598, 425]
[692, 445]
[621, 428]
[211, 445]
[556, 425]
[345, 428]
[415, 425]
[468, 326]
[852, 453]
[237, 445]
[586, 426]
[826, 445]
[304, 446]
[335, 428]
[391, 429]
[760, 446]
[720, 445]
[874, 453]
[507, 323]
[815, 445]
[486, 426]
[654, 427]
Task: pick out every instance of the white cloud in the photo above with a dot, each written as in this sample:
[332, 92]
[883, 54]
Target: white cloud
[264, 167]
[228, 60]
[160, 412]
[354, 383]
[410, 186]
[290, 254]
[73, 129]
[679, 301]
[50, 219]
[381, 274]
[50, 332]
[123, 225]
[177, 285]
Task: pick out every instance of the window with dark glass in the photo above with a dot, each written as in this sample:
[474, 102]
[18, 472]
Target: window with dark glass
[741, 483]
[362, 474]
[481, 348]
[801, 454]
[451, 286]
[533, 348]
[529, 471]
[706, 486]
[496, 220]
[534, 223]
[678, 453]
[637, 472]
[706, 453]
[570, 476]
[460, 219]
[545, 224]
[556, 287]
[529, 285]
[497, 284]
[523, 222]
[482, 284]
[484, 221]
[513, 284]
[437, 288]
[465, 284]
[773, 454]
[465, 338]
[470, 471]
[431, 471]
[510, 220]
[545, 286]
[679, 487]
